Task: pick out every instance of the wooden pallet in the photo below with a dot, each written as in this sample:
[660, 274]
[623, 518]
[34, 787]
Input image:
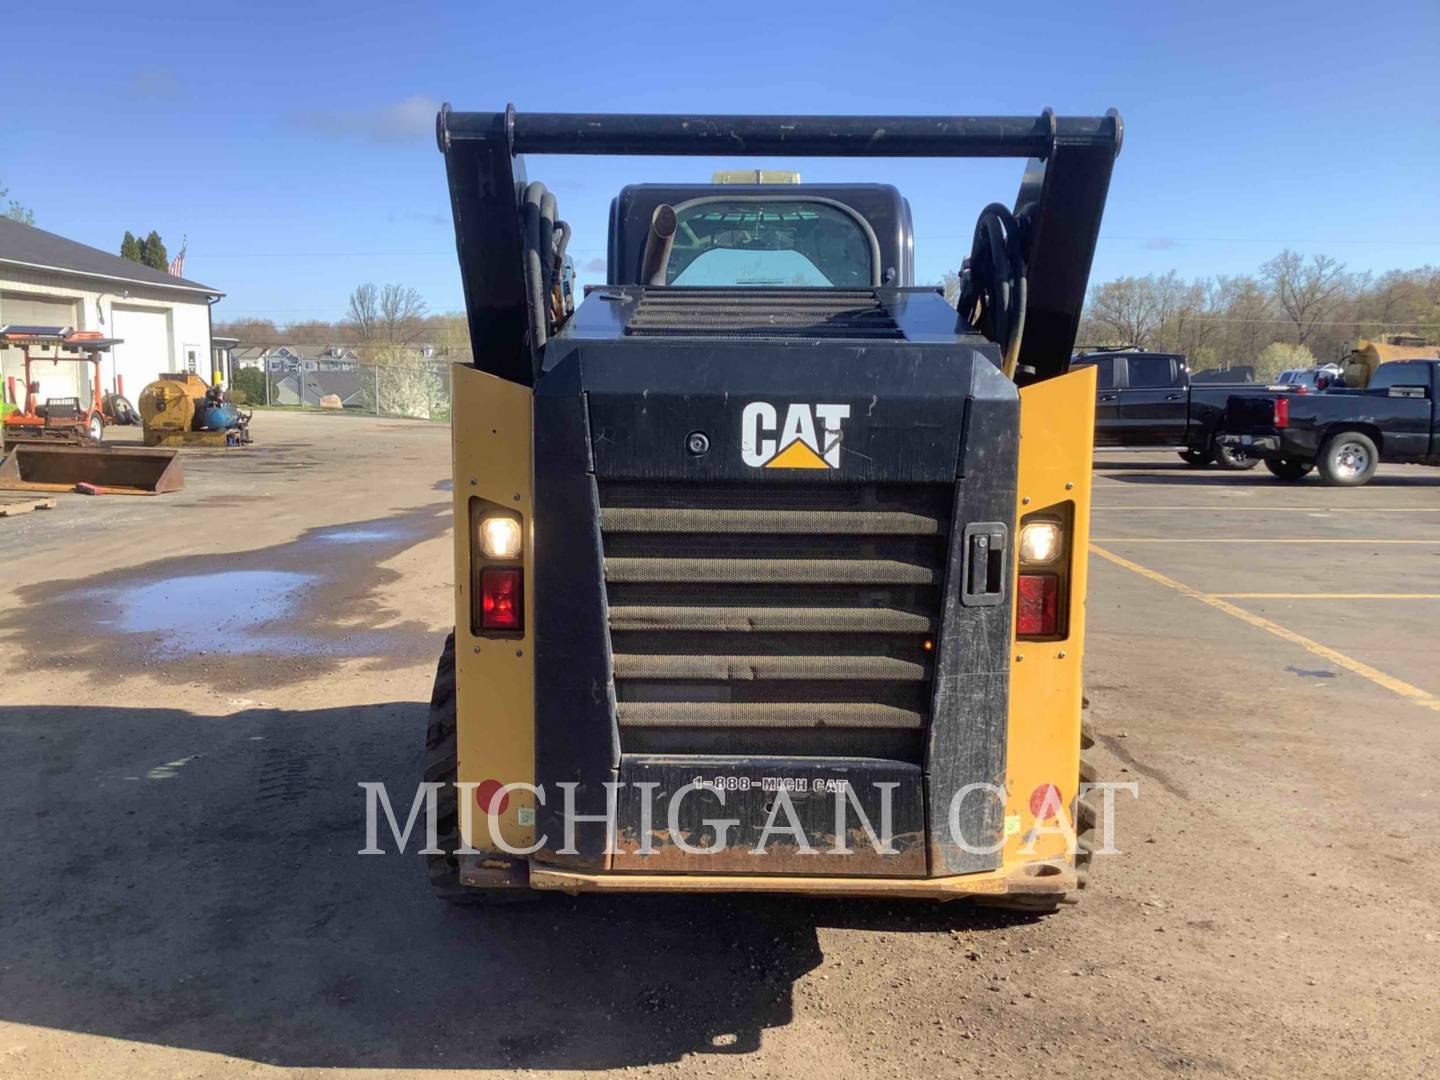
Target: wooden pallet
[12, 503]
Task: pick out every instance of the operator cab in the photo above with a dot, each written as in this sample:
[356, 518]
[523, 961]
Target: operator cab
[767, 235]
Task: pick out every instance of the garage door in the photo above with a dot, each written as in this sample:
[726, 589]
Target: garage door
[56, 380]
[143, 354]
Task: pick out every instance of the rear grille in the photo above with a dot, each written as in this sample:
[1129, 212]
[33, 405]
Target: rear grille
[832, 314]
[753, 619]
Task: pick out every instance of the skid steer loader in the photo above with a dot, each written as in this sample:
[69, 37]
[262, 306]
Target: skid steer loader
[770, 565]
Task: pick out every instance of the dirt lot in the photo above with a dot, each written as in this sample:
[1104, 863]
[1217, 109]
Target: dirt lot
[195, 684]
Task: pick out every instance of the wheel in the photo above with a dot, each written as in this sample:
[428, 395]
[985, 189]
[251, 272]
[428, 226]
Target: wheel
[1197, 459]
[1286, 469]
[1348, 459]
[1235, 458]
[1087, 814]
[96, 427]
[440, 757]
[123, 411]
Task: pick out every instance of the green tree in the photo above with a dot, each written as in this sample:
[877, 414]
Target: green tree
[153, 254]
[247, 386]
[14, 211]
[130, 248]
[1281, 356]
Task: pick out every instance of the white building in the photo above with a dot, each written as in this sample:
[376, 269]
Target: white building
[46, 280]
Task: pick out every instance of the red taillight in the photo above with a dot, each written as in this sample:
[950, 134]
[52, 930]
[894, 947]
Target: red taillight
[1037, 609]
[1282, 412]
[502, 599]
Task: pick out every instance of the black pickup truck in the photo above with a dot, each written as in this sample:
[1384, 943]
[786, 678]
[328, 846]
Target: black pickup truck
[1147, 399]
[1343, 434]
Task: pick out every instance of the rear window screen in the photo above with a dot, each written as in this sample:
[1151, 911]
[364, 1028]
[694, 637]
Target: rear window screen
[769, 242]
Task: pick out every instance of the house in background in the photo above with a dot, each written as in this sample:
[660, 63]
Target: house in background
[308, 387]
[280, 359]
[47, 280]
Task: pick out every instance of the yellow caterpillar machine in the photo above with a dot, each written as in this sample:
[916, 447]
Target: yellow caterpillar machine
[770, 565]
[1360, 364]
[182, 409]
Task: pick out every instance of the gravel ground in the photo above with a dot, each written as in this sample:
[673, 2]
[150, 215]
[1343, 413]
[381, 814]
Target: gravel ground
[179, 815]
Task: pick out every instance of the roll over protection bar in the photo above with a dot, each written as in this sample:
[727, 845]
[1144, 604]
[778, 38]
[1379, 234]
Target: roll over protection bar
[795, 136]
[1060, 203]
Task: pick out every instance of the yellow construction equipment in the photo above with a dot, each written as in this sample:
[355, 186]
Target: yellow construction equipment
[1359, 366]
[182, 409]
[751, 544]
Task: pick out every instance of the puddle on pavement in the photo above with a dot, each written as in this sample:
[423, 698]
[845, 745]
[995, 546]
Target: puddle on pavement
[241, 621]
[220, 612]
[362, 534]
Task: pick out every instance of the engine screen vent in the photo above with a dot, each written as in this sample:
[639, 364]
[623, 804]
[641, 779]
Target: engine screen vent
[829, 314]
[760, 619]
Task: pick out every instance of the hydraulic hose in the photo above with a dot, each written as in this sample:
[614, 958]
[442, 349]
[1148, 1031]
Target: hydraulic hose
[534, 264]
[993, 289]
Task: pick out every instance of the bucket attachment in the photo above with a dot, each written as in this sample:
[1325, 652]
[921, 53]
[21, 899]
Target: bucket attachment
[111, 470]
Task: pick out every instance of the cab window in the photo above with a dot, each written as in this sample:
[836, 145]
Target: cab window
[1150, 372]
[1400, 374]
[770, 242]
[1104, 371]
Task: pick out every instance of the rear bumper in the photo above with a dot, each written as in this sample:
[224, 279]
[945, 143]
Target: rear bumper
[1052, 878]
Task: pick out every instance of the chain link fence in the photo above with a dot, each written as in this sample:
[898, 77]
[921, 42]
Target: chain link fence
[419, 390]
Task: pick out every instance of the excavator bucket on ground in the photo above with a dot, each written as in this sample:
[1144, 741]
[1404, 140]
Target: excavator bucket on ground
[108, 470]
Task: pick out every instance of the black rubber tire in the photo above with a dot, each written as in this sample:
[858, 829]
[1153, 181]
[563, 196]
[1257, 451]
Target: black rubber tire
[440, 767]
[1234, 459]
[124, 412]
[1197, 459]
[1288, 470]
[1087, 812]
[1348, 459]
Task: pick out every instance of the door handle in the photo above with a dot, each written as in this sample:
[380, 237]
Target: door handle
[1109, 397]
[1173, 397]
[982, 571]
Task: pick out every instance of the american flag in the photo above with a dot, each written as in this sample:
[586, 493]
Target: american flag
[177, 264]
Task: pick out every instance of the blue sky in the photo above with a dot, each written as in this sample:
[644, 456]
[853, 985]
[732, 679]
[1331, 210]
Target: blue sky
[293, 142]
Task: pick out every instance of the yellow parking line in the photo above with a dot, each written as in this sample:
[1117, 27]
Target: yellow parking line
[1334, 656]
[1246, 540]
[1291, 509]
[1327, 595]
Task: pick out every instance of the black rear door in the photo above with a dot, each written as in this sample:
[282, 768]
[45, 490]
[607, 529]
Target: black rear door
[1152, 405]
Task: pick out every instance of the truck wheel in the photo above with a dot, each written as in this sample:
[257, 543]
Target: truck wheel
[440, 758]
[96, 427]
[1196, 459]
[1348, 459]
[1288, 469]
[1235, 458]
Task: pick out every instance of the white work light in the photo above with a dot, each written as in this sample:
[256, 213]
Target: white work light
[500, 537]
[1040, 542]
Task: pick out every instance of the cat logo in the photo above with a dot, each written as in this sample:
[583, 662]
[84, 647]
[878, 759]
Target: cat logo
[809, 438]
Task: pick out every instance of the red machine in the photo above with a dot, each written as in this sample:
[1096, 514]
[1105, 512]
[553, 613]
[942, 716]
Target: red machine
[59, 419]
